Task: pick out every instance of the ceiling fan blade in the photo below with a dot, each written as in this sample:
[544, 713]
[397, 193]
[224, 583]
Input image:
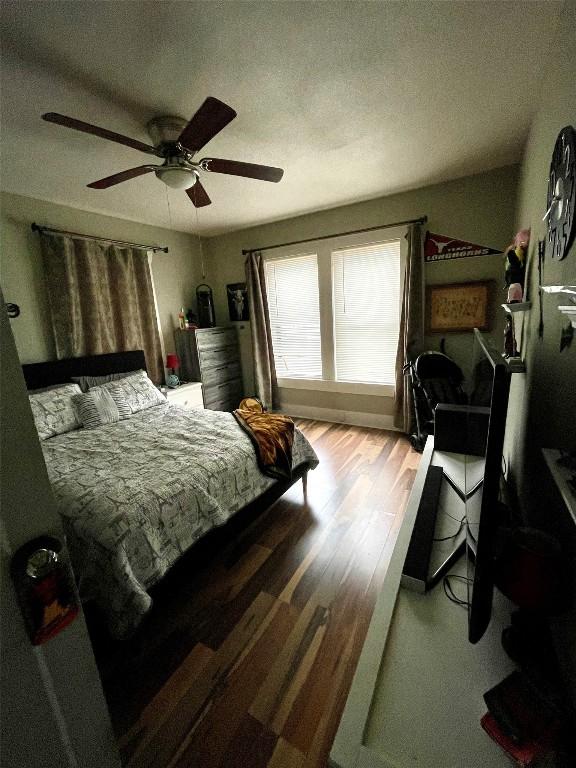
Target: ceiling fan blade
[118, 178]
[198, 195]
[79, 125]
[209, 120]
[235, 168]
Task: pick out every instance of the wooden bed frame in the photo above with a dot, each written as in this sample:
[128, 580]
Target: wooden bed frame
[39, 375]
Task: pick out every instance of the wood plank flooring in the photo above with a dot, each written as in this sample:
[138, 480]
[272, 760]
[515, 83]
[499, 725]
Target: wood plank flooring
[247, 658]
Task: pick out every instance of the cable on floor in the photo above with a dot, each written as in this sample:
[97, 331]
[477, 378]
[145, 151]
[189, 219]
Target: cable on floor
[449, 590]
[453, 535]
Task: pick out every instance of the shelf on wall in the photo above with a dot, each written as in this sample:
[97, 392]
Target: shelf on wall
[561, 476]
[516, 364]
[518, 306]
[570, 311]
[566, 309]
[570, 289]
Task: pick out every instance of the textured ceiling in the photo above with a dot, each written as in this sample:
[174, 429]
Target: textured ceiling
[353, 99]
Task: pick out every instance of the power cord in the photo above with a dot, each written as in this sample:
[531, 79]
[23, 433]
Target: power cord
[443, 511]
[449, 590]
[453, 535]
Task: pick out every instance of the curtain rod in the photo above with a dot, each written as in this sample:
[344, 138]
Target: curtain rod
[421, 220]
[37, 228]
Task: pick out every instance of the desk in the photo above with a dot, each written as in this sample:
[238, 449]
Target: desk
[416, 698]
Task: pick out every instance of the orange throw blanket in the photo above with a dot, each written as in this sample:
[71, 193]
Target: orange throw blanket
[272, 435]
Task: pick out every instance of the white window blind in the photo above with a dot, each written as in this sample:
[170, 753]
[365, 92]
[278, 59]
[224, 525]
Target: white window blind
[292, 287]
[366, 301]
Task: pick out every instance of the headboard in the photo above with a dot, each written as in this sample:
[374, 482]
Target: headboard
[39, 375]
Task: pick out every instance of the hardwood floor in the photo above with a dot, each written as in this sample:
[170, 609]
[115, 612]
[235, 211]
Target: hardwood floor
[247, 658]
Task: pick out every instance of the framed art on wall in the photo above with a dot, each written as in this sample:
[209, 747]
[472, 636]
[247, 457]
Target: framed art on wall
[237, 301]
[458, 307]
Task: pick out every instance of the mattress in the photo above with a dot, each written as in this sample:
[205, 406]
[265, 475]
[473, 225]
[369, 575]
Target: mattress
[135, 495]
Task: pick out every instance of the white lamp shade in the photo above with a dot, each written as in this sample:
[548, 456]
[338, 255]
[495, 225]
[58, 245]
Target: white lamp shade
[177, 178]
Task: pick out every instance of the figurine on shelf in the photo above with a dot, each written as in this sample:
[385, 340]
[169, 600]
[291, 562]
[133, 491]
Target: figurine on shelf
[509, 339]
[516, 266]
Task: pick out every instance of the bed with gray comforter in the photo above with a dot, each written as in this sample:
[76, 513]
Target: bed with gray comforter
[135, 495]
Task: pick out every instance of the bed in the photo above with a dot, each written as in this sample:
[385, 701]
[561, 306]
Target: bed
[137, 494]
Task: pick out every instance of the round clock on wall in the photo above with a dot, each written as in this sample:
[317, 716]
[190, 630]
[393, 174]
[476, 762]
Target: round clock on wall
[561, 200]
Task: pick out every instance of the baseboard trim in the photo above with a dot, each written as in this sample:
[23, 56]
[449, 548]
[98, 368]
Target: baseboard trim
[354, 418]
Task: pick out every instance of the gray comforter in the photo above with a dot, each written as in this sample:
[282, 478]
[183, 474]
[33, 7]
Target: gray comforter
[137, 494]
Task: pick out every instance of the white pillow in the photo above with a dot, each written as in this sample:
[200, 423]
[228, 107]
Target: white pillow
[54, 412]
[137, 391]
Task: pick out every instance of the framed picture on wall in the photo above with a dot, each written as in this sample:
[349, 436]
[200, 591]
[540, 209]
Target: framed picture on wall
[459, 307]
[237, 301]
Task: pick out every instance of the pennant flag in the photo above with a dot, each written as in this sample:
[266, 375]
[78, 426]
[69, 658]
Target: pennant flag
[442, 247]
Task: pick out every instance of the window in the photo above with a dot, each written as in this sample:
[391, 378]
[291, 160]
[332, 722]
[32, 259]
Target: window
[366, 290]
[292, 287]
[335, 313]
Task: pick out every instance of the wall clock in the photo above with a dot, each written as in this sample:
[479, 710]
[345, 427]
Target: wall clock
[561, 199]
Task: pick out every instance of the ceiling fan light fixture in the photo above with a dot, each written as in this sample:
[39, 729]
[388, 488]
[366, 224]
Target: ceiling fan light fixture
[177, 177]
[176, 141]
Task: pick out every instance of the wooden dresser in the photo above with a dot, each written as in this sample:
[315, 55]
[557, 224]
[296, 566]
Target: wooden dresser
[211, 355]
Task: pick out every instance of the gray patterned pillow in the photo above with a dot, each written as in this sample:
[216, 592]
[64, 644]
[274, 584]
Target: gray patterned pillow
[137, 390]
[99, 406]
[53, 411]
[87, 382]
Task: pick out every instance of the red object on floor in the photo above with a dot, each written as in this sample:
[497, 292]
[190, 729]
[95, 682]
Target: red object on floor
[525, 755]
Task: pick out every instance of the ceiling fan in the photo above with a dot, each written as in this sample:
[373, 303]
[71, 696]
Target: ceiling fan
[177, 141]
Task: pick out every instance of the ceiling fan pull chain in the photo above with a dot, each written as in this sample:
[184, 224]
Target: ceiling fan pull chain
[169, 208]
[202, 267]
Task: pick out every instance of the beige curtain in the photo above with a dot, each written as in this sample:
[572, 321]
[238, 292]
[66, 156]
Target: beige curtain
[264, 367]
[411, 328]
[101, 299]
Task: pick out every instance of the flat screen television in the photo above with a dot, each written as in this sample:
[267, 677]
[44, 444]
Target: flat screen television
[491, 385]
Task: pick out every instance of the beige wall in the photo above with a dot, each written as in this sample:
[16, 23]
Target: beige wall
[477, 208]
[542, 411]
[176, 273]
[543, 402]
